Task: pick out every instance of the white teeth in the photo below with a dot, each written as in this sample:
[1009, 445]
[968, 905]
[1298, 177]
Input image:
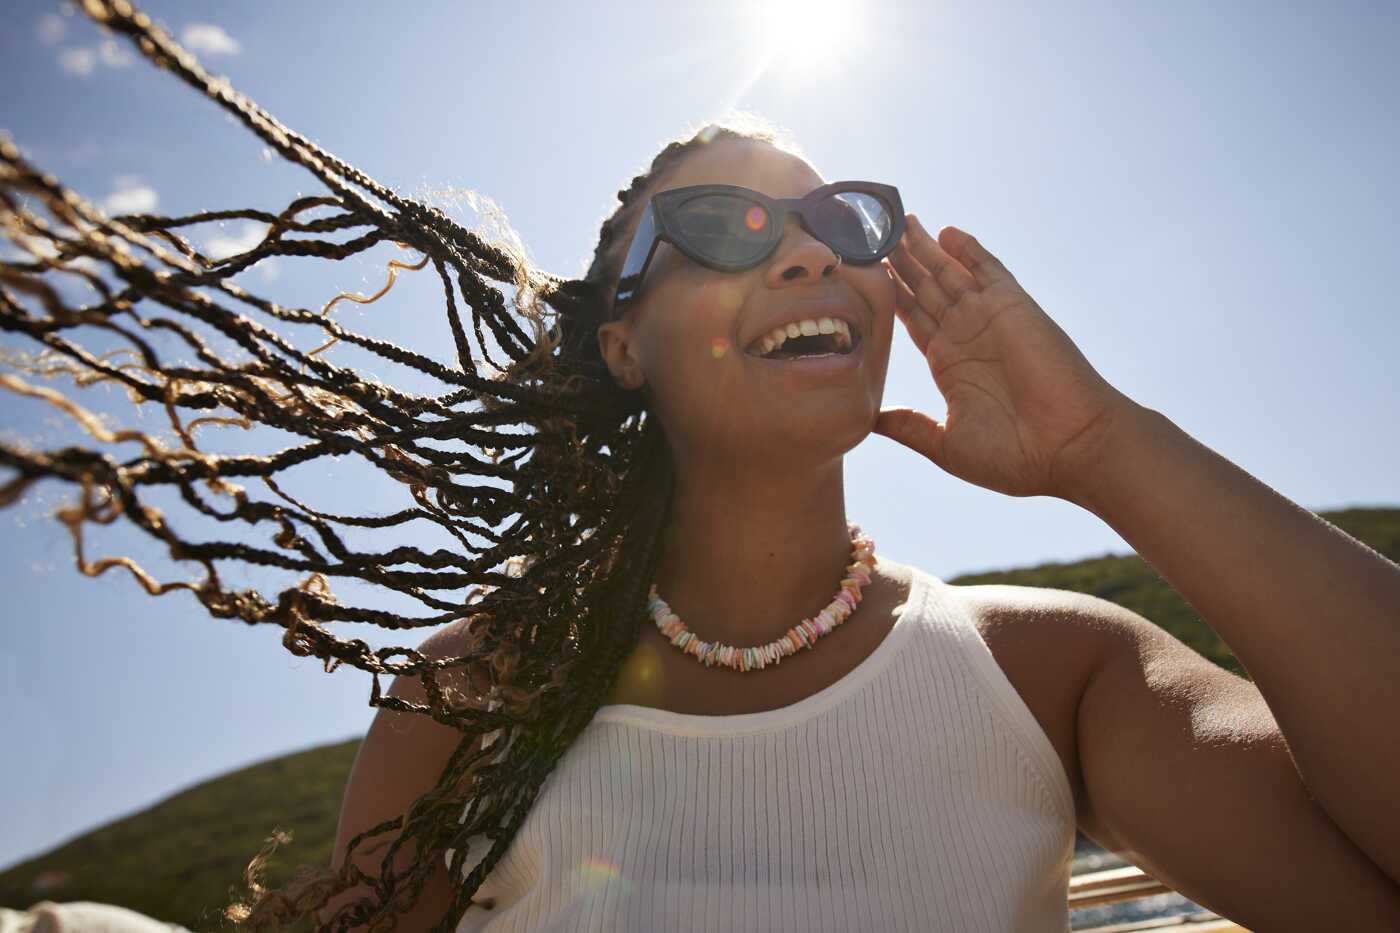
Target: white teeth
[775, 338]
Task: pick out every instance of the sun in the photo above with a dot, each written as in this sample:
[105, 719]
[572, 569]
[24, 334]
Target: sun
[803, 34]
[791, 43]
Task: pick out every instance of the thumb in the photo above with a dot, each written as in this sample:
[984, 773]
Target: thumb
[914, 430]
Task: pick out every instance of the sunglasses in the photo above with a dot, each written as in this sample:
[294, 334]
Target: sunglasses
[729, 228]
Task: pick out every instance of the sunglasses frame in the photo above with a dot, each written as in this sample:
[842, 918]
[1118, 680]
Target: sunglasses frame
[658, 224]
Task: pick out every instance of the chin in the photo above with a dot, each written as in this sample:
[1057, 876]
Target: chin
[815, 426]
[820, 438]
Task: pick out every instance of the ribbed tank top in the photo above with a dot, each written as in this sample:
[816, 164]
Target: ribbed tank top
[918, 792]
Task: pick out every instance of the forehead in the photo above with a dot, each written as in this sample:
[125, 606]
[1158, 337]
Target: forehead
[748, 163]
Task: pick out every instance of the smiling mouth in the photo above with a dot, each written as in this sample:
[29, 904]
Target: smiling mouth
[805, 346]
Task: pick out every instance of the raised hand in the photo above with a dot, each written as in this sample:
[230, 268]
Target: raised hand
[1027, 414]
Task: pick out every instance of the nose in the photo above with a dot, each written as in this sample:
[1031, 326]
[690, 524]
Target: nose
[800, 257]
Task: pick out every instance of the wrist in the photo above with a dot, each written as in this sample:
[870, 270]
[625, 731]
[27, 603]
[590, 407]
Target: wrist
[1109, 455]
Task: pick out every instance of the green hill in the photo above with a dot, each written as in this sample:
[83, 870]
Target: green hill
[178, 860]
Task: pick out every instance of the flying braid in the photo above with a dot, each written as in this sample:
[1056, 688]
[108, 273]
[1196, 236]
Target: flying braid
[551, 481]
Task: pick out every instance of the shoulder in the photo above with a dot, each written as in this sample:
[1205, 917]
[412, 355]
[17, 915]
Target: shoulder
[404, 751]
[445, 643]
[1066, 625]
[1072, 634]
[1087, 626]
[397, 737]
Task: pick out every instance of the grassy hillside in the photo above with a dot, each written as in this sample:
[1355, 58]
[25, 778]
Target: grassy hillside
[178, 860]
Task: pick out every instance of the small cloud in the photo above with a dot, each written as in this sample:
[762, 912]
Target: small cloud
[79, 61]
[83, 60]
[51, 28]
[209, 39]
[130, 197]
[114, 55]
[222, 246]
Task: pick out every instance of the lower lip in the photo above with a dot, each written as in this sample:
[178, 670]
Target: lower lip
[816, 365]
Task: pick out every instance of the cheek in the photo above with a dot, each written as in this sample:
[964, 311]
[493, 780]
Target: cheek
[695, 328]
[694, 361]
[882, 283]
[715, 309]
[875, 285]
[702, 320]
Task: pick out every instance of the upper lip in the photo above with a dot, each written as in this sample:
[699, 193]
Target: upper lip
[807, 309]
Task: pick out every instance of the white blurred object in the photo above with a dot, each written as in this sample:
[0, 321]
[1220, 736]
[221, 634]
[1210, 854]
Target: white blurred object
[81, 917]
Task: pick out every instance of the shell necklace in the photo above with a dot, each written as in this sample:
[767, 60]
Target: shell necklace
[803, 634]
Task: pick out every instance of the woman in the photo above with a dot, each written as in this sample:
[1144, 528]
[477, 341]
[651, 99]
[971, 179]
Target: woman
[926, 763]
[899, 753]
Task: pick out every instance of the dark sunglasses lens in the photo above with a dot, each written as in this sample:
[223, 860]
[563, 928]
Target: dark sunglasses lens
[724, 227]
[854, 223]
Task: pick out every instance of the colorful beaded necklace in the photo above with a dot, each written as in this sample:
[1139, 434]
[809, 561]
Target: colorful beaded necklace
[803, 634]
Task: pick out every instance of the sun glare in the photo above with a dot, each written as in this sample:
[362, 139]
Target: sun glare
[803, 34]
[792, 43]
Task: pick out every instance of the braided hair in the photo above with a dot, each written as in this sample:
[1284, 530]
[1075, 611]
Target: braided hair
[573, 506]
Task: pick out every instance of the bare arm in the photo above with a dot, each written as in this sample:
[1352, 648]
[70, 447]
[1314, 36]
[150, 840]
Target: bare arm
[1187, 772]
[1312, 613]
[401, 758]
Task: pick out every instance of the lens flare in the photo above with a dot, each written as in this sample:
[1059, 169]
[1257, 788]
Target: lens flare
[597, 871]
[728, 297]
[756, 218]
[641, 674]
[719, 347]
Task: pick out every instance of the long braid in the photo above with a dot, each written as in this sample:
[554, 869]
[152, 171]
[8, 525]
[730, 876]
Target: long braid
[573, 506]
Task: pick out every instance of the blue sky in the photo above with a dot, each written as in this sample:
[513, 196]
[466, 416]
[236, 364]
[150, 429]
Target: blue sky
[1203, 196]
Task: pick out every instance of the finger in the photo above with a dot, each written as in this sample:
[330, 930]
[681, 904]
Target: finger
[928, 295]
[903, 298]
[986, 269]
[919, 326]
[905, 306]
[914, 430]
[952, 278]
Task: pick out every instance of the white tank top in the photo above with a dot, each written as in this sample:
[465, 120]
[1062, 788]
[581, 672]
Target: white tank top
[918, 792]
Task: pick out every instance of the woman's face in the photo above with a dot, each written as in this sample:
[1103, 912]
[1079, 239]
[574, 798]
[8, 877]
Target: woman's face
[687, 335]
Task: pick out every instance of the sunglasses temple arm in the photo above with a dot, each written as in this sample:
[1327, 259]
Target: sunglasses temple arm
[644, 238]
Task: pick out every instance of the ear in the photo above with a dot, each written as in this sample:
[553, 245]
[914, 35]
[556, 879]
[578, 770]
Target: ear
[616, 347]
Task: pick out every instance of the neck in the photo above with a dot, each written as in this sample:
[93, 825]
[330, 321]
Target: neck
[744, 558]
